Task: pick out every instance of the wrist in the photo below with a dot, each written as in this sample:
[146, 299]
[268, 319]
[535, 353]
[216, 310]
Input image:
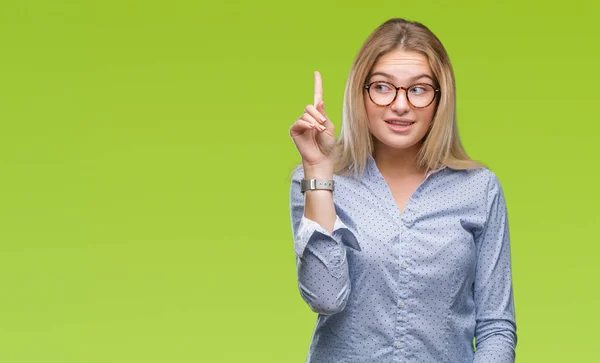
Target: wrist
[323, 170]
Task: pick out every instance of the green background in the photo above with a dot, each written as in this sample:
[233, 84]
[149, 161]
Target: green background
[144, 156]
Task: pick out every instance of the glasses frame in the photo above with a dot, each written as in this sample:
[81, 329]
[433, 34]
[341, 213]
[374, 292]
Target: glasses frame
[368, 88]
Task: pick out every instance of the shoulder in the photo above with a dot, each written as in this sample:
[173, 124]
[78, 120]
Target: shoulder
[480, 186]
[488, 178]
[483, 186]
[477, 177]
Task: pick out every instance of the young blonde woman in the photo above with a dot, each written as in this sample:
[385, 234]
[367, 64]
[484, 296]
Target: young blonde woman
[401, 240]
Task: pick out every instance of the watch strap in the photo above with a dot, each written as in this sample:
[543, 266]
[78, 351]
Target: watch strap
[313, 184]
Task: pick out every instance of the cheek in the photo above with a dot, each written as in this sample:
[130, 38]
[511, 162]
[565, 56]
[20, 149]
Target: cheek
[373, 112]
[427, 115]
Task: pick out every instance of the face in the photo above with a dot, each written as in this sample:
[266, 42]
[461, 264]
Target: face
[388, 124]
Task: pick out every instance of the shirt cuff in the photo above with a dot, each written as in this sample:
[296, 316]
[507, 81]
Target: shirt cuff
[341, 234]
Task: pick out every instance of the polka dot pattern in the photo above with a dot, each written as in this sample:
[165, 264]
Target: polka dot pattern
[416, 286]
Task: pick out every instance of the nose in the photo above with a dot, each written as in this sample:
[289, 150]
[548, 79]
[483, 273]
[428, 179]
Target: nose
[400, 104]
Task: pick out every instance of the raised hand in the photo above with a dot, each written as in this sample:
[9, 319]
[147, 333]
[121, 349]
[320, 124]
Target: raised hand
[313, 133]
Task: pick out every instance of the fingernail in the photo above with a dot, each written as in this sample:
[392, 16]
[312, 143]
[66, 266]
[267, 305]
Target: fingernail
[323, 119]
[321, 127]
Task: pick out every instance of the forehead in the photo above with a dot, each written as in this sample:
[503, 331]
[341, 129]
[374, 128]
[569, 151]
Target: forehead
[402, 64]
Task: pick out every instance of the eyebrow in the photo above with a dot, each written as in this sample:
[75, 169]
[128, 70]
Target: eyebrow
[392, 77]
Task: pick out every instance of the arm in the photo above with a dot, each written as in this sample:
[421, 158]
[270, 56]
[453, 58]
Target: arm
[495, 329]
[321, 264]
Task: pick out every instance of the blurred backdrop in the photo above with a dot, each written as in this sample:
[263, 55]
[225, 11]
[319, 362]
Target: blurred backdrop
[144, 161]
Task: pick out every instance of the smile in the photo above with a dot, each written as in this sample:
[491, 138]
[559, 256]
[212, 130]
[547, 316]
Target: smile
[401, 123]
[400, 126]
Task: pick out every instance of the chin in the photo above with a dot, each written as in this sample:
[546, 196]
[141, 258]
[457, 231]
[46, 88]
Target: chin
[397, 144]
[403, 146]
[408, 141]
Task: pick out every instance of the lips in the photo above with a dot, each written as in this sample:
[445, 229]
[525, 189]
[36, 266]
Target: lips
[400, 126]
[400, 122]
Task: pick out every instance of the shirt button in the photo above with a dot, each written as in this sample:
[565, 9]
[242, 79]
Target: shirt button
[404, 265]
[398, 345]
[401, 304]
[404, 227]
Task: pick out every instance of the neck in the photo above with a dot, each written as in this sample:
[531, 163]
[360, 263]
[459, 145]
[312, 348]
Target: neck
[396, 163]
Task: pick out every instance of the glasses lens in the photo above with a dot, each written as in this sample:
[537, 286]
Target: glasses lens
[421, 95]
[382, 93]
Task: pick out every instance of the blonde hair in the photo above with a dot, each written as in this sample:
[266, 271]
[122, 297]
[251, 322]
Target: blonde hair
[441, 145]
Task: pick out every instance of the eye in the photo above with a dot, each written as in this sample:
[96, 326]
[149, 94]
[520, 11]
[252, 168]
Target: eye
[381, 87]
[418, 90]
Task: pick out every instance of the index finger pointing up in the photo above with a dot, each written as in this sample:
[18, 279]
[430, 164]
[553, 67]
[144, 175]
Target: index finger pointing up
[318, 88]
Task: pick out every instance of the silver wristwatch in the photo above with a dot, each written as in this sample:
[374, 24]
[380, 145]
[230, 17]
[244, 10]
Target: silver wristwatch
[312, 184]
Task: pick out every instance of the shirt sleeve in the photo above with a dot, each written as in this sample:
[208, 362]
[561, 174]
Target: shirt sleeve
[321, 265]
[495, 329]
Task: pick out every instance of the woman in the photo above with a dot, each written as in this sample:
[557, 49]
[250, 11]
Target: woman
[407, 259]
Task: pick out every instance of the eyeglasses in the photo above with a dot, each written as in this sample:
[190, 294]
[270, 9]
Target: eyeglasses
[419, 95]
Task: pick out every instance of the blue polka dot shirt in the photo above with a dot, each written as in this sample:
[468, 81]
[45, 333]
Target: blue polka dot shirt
[416, 286]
